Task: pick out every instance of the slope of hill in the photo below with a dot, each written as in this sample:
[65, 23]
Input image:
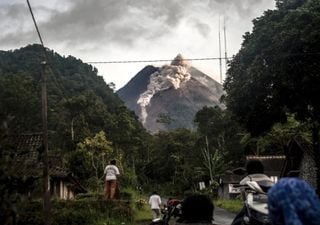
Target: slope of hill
[80, 103]
[168, 97]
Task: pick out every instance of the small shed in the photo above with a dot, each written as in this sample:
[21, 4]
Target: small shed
[28, 167]
[227, 189]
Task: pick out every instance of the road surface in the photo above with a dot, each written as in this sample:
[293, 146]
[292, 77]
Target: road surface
[222, 217]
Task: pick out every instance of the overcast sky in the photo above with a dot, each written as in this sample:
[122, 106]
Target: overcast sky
[112, 30]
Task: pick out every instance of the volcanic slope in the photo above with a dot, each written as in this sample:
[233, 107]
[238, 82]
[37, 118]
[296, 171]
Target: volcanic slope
[168, 97]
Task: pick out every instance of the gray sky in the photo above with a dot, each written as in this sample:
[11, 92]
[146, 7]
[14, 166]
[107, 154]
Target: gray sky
[111, 30]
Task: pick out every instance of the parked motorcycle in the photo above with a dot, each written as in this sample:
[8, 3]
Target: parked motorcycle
[254, 190]
[172, 209]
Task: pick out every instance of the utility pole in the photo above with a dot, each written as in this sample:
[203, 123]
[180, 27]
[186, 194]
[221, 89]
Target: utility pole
[46, 185]
[44, 100]
[220, 59]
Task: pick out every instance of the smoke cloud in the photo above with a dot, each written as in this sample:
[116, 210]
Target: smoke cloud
[168, 76]
[116, 30]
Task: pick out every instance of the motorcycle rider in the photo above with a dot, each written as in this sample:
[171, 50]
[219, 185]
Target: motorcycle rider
[255, 172]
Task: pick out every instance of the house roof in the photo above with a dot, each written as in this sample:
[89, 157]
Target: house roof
[27, 161]
[272, 164]
[22, 142]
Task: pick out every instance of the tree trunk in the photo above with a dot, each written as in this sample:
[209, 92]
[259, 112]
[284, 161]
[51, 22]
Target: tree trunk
[72, 131]
[316, 152]
[96, 171]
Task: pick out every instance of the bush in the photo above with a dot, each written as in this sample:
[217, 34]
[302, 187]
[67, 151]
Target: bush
[140, 203]
[81, 212]
[231, 205]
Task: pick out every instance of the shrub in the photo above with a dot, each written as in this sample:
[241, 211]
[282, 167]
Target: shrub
[81, 212]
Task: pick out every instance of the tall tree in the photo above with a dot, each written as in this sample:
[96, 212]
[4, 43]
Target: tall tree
[222, 133]
[276, 70]
[99, 149]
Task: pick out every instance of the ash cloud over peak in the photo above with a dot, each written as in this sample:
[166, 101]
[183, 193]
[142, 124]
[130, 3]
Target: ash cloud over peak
[168, 76]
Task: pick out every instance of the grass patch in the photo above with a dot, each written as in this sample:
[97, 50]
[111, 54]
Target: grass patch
[231, 205]
[142, 214]
[140, 206]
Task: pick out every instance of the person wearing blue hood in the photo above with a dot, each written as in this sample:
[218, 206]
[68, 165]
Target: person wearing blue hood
[292, 201]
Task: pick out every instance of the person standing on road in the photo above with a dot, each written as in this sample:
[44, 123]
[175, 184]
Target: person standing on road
[111, 173]
[155, 202]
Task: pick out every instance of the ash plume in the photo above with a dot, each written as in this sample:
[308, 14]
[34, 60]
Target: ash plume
[168, 76]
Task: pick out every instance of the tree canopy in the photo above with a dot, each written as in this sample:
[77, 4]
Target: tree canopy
[276, 70]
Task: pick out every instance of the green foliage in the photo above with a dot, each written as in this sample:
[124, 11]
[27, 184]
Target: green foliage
[277, 139]
[221, 134]
[80, 105]
[77, 212]
[99, 150]
[231, 205]
[276, 71]
[172, 159]
[19, 96]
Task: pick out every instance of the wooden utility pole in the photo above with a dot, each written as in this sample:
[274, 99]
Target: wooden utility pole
[46, 180]
[46, 184]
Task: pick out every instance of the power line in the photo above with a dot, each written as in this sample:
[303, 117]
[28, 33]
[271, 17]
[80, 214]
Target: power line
[193, 59]
[37, 29]
[155, 60]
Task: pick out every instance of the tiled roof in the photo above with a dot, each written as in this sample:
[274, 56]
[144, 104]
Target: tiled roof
[272, 164]
[27, 161]
[30, 142]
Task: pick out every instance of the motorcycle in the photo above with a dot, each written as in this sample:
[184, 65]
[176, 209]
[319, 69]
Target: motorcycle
[172, 209]
[254, 190]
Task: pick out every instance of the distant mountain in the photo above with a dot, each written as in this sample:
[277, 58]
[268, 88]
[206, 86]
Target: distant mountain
[168, 97]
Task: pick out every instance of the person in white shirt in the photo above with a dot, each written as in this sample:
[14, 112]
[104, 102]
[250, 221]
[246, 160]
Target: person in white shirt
[155, 202]
[111, 173]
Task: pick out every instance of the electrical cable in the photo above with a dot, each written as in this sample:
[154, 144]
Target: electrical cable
[37, 29]
[154, 60]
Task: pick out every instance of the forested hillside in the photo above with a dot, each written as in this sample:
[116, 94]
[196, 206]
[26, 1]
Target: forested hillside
[80, 105]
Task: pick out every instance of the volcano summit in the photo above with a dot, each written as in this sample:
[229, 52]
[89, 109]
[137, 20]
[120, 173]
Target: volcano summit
[168, 97]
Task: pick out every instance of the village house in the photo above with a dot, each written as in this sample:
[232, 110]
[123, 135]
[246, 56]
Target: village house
[28, 167]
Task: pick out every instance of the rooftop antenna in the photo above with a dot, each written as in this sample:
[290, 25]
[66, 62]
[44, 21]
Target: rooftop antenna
[220, 59]
[225, 44]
